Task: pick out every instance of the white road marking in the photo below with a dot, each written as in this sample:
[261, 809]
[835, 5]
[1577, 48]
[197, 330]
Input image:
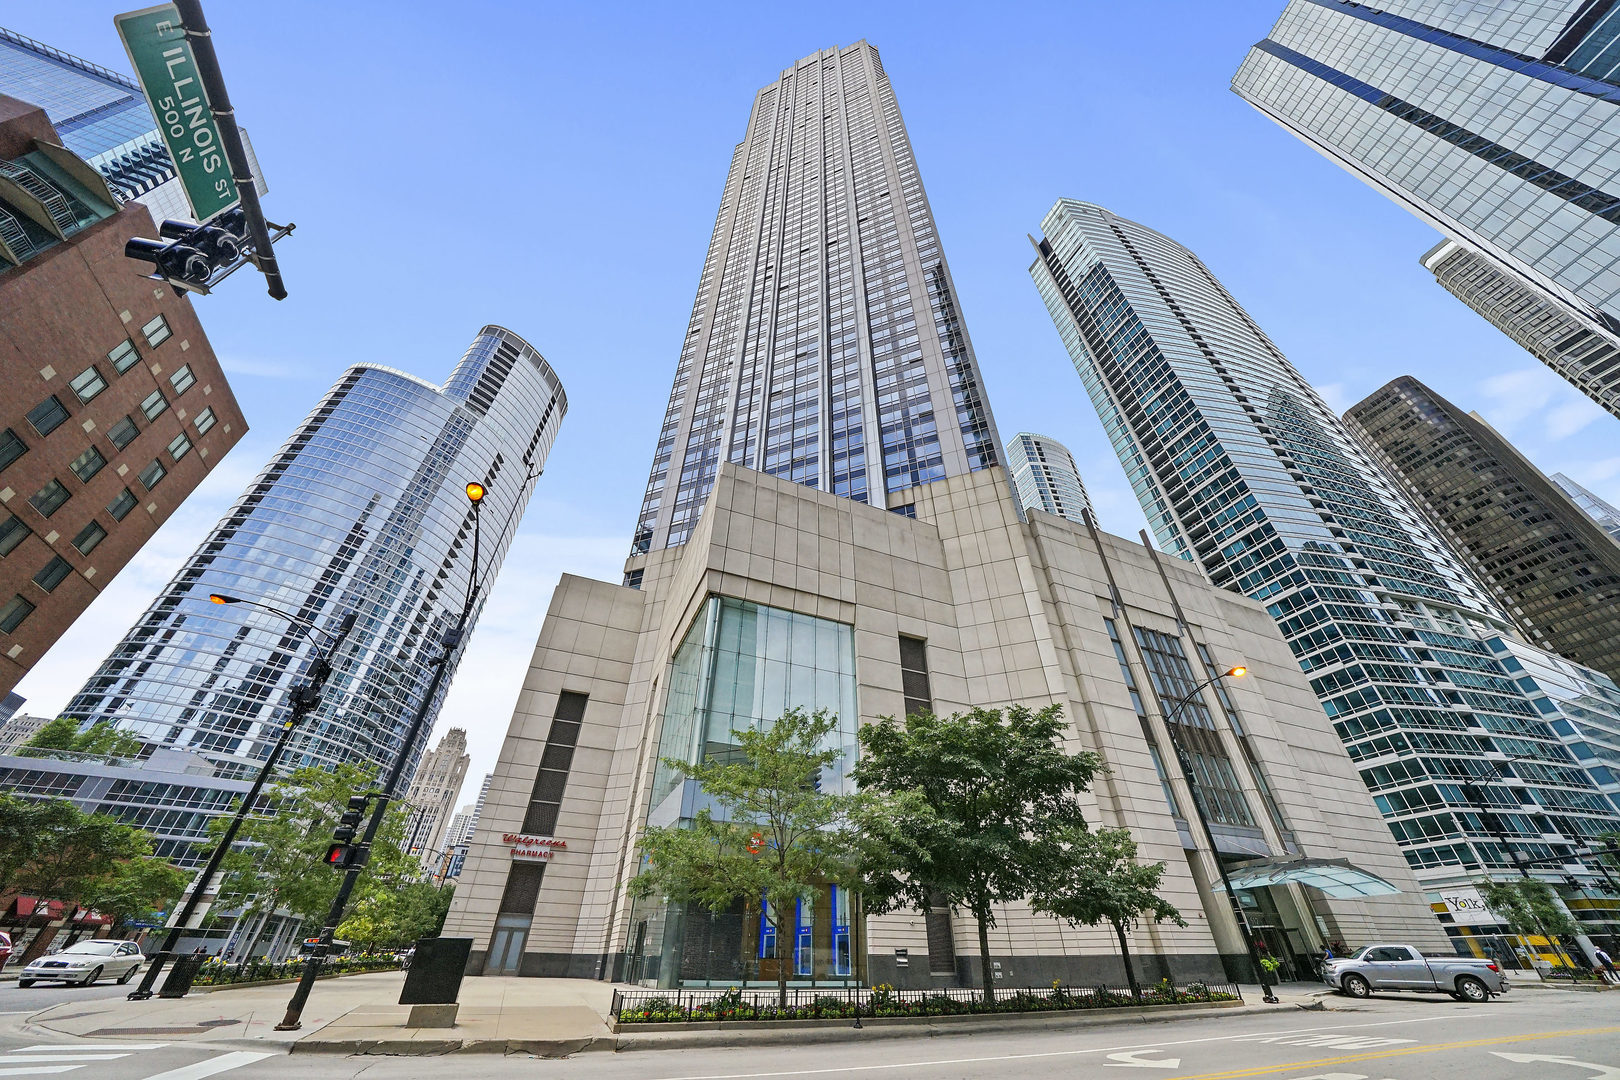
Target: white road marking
[31, 1058]
[1600, 1072]
[1025, 1057]
[83, 1046]
[223, 1063]
[39, 1070]
[1134, 1059]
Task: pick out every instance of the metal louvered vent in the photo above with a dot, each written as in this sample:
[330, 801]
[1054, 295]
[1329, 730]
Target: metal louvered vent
[55, 202]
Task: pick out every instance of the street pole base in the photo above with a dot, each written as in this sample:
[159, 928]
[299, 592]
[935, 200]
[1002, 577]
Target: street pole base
[289, 1023]
[1270, 998]
[139, 995]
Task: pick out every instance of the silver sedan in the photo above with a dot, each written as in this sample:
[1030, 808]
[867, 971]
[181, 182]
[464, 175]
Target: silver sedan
[85, 962]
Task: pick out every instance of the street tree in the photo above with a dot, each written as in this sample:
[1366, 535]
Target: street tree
[136, 889]
[975, 797]
[774, 836]
[28, 828]
[1530, 906]
[1094, 877]
[277, 862]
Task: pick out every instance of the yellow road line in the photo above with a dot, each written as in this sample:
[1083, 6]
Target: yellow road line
[1292, 1066]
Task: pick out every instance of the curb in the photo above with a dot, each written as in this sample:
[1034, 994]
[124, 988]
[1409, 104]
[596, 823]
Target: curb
[774, 1033]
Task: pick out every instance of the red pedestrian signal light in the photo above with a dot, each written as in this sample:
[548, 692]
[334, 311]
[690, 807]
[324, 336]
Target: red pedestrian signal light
[346, 856]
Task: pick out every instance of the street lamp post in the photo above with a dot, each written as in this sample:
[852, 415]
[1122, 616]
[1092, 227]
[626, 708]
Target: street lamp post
[1187, 773]
[305, 697]
[448, 644]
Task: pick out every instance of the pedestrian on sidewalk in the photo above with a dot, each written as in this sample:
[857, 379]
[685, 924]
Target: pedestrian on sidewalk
[1606, 966]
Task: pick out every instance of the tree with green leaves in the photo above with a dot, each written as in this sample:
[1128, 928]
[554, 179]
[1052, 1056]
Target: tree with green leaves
[776, 838]
[28, 828]
[1529, 906]
[102, 737]
[277, 862]
[136, 889]
[1094, 877]
[974, 798]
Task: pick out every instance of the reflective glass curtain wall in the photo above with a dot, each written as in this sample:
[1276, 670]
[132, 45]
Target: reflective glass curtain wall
[826, 344]
[1497, 123]
[362, 510]
[1045, 476]
[1242, 469]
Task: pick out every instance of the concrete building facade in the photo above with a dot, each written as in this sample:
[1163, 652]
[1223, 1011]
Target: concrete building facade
[788, 596]
[433, 793]
[1243, 470]
[1045, 476]
[115, 405]
[1548, 565]
[1496, 123]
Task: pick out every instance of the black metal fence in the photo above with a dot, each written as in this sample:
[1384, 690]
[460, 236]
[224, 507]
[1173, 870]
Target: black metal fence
[831, 1003]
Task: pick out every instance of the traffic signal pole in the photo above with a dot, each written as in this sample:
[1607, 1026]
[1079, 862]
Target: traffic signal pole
[230, 139]
[448, 645]
[306, 696]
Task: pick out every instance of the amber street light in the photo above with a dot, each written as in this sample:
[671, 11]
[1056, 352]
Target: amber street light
[475, 492]
[1236, 673]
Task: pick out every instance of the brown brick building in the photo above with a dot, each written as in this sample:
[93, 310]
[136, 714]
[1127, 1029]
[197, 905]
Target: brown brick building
[112, 405]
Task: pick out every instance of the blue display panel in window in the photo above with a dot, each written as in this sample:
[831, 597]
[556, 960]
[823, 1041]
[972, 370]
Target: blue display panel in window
[843, 958]
[804, 942]
[767, 932]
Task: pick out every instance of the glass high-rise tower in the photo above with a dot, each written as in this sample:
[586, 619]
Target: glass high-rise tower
[826, 344]
[361, 510]
[1498, 124]
[1243, 470]
[1045, 476]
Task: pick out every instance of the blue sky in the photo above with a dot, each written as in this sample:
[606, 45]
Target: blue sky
[556, 168]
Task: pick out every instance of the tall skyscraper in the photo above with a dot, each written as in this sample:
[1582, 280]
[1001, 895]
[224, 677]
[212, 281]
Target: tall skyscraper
[826, 344]
[1045, 476]
[432, 794]
[1607, 515]
[115, 407]
[1242, 469]
[1548, 565]
[1497, 123]
[1581, 350]
[102, 116]
[362, 510]
[882, 567]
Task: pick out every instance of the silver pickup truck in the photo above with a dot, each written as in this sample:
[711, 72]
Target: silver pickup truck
[1402, 967]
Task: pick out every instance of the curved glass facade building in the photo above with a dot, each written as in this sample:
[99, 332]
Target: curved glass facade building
[1242, 469]
[1045, 476]
[363, 510]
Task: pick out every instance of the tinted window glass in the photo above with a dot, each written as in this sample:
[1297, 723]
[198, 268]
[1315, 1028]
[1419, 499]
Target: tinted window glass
[53, 573]
[89, 536]
[157, 331]
[123, 433]
[88, 383]
[124, 356]
[154, 405]
[87, 464]
[12, 532]
[122, 505]
[49, 499]
[14, 612]
[153, 473]
[48, 415]
[11, 447]
[182, 380]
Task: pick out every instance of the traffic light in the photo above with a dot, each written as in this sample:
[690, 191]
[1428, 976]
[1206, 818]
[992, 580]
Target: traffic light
[347, 856]
[194, 254]
[349, 823]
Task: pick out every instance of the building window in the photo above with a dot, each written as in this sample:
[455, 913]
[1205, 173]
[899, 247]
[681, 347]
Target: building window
[123, 357]
[914, 683]
[88, 383]
[11, 447]
[89, 536]
[154, 405]
[53, 573]
[120, 507]
[13, 614]
[205, 420]
[157, 331]
[48, 415]
[153, 474]
[87, 464]
[632, 578]
[123, 433]
[49, 499]
[11, 534]
[545, 802]
[182, 380]
[179, 446]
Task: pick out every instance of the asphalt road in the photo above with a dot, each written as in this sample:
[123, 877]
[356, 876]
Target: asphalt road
[1531, 1035]
[15, 999]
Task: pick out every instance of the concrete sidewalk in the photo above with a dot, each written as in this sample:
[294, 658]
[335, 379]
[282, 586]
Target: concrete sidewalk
[544, 1017]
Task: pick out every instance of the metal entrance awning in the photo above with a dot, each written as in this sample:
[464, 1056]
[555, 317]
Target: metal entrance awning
[1334, 877]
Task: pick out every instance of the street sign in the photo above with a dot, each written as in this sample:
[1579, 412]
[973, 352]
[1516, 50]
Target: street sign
[167, 69]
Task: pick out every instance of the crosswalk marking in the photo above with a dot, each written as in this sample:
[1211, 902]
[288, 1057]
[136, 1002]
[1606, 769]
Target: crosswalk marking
[82, 1046]
[42, 1059]
[72, 1057]
[39, 1070]
[203, 1069]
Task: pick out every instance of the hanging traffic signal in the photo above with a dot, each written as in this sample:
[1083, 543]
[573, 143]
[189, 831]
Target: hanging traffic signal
[194, 255]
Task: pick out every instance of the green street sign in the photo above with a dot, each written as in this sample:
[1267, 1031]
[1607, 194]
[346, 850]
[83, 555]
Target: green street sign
[167, 69]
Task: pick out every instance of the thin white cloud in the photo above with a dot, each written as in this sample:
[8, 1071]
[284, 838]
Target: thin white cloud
[267, 369]
[1571, 416]
[1514, 396]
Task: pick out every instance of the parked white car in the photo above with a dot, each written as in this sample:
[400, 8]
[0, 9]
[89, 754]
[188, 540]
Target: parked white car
[83, 963]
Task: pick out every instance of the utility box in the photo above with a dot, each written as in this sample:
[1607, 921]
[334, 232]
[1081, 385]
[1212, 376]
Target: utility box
[435, 973]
